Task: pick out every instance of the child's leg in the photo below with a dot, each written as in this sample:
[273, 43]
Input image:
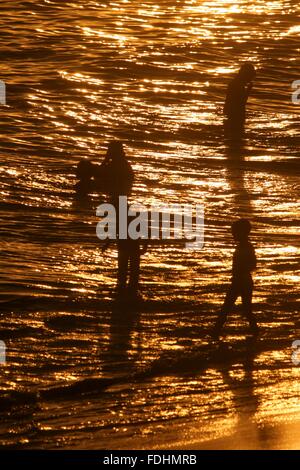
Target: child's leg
[229, 302]
[247, 291]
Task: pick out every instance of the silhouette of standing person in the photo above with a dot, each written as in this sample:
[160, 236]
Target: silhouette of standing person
[118, 176]
[236, 99]
[113, 177]
[244, 262]
[115, 172]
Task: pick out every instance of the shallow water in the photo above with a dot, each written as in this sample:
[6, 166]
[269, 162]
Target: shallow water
[79, 74]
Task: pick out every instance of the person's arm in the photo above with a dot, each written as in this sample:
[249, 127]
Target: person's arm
[130, 175]
[228, 99]
[254, 260]
[125, 179]
[225, 107]
[251, 258]
[101, 170]
[249, 89]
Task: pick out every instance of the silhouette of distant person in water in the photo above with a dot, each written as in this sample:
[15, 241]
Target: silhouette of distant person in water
[236, 99]
[113, 177]
[244, 262]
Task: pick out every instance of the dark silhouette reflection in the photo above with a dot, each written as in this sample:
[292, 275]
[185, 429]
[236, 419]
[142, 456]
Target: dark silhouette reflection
[235, 103]
[235, 173]
[129, 256]
[124, 347]
[244, 262]
[246, 402]
[243, 388]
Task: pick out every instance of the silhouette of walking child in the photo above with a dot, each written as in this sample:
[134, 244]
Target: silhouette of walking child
[244, 262]
[236, 99]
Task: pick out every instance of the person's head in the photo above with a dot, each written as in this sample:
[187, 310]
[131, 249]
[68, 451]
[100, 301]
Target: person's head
[84, 170]
[115, 150]
[241, 229]
[247, 72]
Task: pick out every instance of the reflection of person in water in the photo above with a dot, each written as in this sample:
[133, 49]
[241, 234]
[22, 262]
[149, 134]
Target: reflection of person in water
[243, 381]
[235, 174]
[245, 401]
[244, 262]
[236, 99]
[113, 177]
[124, 339]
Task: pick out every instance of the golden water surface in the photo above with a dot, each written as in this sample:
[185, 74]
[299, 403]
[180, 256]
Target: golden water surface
[153, 74]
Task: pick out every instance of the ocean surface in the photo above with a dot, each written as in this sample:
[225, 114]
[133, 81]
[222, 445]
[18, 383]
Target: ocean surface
[81, 372]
